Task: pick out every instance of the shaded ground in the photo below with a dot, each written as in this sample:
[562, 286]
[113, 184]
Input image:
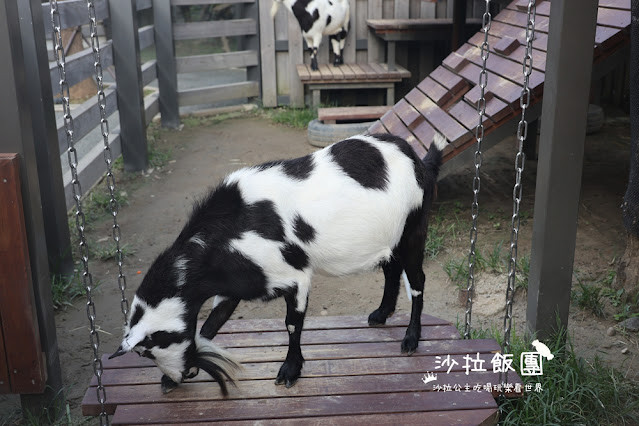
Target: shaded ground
[160, 200]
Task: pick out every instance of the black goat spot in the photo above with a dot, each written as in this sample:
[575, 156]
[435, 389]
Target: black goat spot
[162, 339]
[295, 256]
[328, 20]
[299, 168]
[405, 148]
[305, 19]
[137, 315]
[303, 230]
[362, 162]
[265, 221]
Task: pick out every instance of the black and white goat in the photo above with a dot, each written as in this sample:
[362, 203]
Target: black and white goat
[265, 230]
[318, 18]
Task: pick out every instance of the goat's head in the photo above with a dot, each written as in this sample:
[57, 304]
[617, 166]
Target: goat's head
[162, 327]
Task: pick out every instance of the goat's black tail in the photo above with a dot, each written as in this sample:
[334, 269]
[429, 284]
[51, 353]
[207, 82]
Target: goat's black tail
[433, 159]
[218, 363]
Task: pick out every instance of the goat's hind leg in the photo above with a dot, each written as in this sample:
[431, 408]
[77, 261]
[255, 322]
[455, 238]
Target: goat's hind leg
[335, 43]
[412, 256]
[392, 271]
[292, 367]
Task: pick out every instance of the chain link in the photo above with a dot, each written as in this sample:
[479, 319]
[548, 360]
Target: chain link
[522, 133]
[80, 222]
[108, 156]
[479, 135]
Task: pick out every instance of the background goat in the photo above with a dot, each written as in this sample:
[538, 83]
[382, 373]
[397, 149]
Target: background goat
[264, 231]
[318, 18]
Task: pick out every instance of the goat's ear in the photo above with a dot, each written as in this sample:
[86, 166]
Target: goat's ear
[118, 353]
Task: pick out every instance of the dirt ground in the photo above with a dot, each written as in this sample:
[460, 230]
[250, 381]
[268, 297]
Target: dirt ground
[160, 200]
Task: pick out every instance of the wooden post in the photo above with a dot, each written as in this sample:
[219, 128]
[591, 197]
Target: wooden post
[18, 137]
[166, 68]
[126, 58]
[561, 149]
[459, 23]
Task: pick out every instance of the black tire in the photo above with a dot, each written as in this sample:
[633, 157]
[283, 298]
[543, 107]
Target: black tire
[321, 135]
[595, 119]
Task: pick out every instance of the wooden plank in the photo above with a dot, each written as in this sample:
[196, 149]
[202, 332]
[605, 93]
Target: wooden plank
[438, 93]
[350, 53]
[520, 19]
[73, 13]
[217, 61]
[207, 2]
[539, 56]
[409, 115]
[151, 106]
[615, 4]
[607, 37]
[262, 389]
[454, 83]
[326, 73]
[331, 351]
[267, 56]
[613, 18]
[85, 118]
[312, 368]
[337, 72]
[501, 29]
[506, 46]
[79, 66]
[18, 317]
[92, 167]
[146, 37]
[359, 73]
[455, 61]
[380, 70]
[506, 90]
[149, 72]
[348, 72]
[481, 417]
[399, 72]
[402, 9]
[374, 43]
[212, 94]
[438, 118]
[302, 407]
[304, 72]
[377, 128]
[369, 72]
[208, 29]
[397, 127]
[467, 115]
[352, 113]
[5, 386]
[295, 57]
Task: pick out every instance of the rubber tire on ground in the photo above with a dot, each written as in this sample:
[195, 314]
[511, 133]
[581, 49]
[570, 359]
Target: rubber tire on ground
[321, 135]
[595, 119]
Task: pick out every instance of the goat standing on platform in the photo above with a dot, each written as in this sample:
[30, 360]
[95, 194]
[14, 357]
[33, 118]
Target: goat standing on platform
[264, 231]
[318, 18]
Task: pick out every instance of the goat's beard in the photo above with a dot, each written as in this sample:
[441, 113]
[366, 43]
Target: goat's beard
[217, 362]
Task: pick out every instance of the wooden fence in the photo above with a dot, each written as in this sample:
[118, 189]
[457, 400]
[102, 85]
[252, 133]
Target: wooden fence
[282, 46]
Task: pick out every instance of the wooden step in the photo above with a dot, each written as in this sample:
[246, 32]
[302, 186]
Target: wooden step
[359, 113]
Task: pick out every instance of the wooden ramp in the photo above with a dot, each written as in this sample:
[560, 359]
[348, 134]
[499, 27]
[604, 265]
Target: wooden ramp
[445, 101]
[354, 374]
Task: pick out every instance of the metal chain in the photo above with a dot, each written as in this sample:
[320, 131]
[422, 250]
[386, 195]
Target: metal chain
[522, 133]
[72, 156]
[108, 156]
[479, 135]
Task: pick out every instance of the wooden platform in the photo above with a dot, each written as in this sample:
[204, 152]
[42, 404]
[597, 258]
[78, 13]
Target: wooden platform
[445, 101]
[351, 76]
[354, 374]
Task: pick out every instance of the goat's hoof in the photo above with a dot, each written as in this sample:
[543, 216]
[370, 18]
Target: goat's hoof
[167, 384]
[289, 373]
[409, 344]
[338, 61]
[378, 318]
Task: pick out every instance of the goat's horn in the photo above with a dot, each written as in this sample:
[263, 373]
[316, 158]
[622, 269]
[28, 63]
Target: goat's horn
[119, 352]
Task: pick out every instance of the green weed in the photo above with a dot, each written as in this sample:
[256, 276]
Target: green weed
[292, 117]
[523, 271]
[588, 297]
[65, 289]
[109, 251]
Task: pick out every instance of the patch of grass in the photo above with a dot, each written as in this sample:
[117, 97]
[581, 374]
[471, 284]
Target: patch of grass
[626, 312]
[65, 289]
[97, 203]
[588, 297]
[574, 390]
[458, 269]
[609, 277]
[109, 251]
[297, 118]
[495, 258]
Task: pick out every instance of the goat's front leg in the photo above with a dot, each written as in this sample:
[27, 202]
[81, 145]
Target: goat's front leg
[292, 366]
[222, 310]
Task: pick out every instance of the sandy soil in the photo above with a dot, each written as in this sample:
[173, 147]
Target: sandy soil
[159, 202]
